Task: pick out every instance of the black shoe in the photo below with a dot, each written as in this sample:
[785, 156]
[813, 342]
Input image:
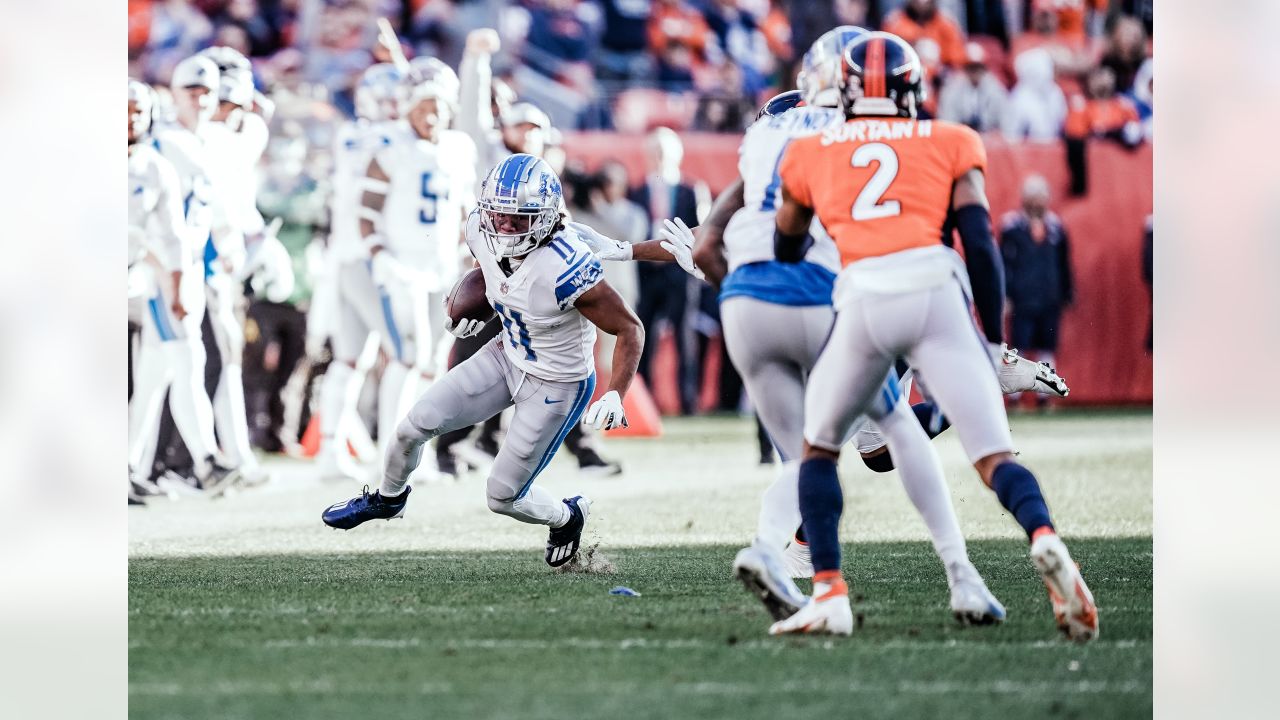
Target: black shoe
[590, 463]
[134, 497]
[447, 464]
[563, 542]
[218, 478]
[488, 445]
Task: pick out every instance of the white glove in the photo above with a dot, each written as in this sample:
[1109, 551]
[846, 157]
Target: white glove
[679, 242]
[466, 327]
[606, 413]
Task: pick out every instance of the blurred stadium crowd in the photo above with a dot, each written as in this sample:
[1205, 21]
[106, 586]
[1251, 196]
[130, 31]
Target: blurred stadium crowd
[1033, 70]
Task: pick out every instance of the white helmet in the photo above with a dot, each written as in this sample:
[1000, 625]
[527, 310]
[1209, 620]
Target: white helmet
[378, 91]
[525, 186]
[144, 97]
[198, 71]
[822, 66]
[433, 70]
[227, 59]
[526, 112]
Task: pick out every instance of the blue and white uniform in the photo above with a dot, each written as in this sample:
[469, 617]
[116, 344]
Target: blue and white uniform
[541, 363]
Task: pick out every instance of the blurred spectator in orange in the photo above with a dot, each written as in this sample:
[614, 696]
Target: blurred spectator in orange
[624, 41]
[777, 32]
[1037, 108]
[973, 97]
[1074, 18]
[1125, 49]
[139, 26]
[1037, 270]
[1103, 113]
[922, 19]
[679, 36]
[1068, 52]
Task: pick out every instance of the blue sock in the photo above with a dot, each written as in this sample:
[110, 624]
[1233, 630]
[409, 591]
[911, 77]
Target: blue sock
[1020, 494]
[931, 418]
[821, 503]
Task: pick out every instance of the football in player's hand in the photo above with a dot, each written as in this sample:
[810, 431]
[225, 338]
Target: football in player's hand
[467, 301]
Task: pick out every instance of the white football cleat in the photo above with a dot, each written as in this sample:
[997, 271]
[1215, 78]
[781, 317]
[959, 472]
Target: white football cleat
[796, 560]
[1073, 605]
[828, 613]
[761, 571]
[1018, 374]
[971, 602]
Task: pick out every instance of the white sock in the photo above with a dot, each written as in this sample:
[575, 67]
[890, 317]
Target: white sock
[921, 472]
[188, 402]
[780, 508]
[231, 417]
[333, 395]
[152, 377]
[389, 391]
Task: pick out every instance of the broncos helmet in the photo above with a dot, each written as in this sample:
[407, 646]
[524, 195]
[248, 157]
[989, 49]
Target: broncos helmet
[882, 76]
[779, 104]
[377, 92]
[526, 187]
[821, 67]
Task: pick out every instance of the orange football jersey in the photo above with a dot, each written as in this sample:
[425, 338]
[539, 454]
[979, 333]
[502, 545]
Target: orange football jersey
[881, 184]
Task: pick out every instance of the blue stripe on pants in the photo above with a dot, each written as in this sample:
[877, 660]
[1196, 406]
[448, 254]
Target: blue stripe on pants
[161, 319]
[585, 389]
[390, 317]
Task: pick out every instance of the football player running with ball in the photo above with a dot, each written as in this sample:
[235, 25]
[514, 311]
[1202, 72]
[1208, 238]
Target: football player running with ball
[548, 288]
[901, 294]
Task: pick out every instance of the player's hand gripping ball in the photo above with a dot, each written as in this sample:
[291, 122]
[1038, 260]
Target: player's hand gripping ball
[466, 307]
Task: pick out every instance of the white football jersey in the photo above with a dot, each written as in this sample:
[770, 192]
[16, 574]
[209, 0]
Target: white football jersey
[432, 188]
[156, 223]
[232, 163]
[353, 147]
[543, 333]
[202, 208]
[748, 237]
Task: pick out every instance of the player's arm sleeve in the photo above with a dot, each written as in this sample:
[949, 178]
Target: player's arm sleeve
[170, 223]
[973, 222]
[475, 104]
[1064, 267]
[583, 273]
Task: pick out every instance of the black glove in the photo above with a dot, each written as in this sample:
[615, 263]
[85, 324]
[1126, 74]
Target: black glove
[791, 248]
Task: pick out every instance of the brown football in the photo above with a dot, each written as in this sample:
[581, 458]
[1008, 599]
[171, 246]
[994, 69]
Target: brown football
[467, 301]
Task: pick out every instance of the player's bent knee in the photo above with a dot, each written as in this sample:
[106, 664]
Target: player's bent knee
[986, 466]
[503, 506]
[409, 433]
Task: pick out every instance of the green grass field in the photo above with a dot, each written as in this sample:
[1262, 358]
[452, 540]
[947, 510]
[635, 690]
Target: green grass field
[277, 618]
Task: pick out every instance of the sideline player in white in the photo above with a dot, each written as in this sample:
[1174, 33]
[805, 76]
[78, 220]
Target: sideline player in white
[417, 191]
[548, 289]
[354, 341]
[235, 139]
[776, 317]
[169, 213]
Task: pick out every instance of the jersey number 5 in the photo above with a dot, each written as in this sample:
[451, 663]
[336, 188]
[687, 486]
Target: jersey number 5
[868, 205]
[427, 215]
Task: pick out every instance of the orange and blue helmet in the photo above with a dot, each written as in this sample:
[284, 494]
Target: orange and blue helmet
[882, 76]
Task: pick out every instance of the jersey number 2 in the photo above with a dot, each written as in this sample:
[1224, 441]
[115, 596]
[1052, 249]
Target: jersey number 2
[868, 205]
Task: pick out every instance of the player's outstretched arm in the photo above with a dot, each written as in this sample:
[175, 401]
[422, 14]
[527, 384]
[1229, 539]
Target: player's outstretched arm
[605, 309]
[972, 219]
[708, 251]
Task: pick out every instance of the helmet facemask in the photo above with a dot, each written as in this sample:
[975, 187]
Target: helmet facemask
[519, 206]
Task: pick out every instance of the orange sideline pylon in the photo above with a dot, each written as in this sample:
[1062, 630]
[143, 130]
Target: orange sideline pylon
[643, 418]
